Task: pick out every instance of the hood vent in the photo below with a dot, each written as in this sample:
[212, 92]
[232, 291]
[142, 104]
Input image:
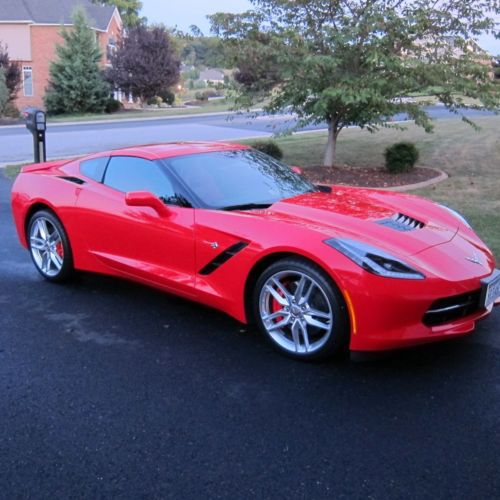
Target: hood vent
[401, 222]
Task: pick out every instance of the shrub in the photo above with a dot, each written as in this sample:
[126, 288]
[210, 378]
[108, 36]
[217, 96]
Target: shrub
[113, 105]
[269, 148]
[167, 97]
[154, 101]
[200, 84]
[11, 111]
[206, 94]
[401, 157]
[199, 96]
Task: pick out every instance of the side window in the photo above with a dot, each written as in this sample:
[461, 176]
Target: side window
[94, 169]
[126, 174]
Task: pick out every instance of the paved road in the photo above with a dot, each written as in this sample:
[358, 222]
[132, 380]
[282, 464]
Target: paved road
[112, 390]
[75, 139]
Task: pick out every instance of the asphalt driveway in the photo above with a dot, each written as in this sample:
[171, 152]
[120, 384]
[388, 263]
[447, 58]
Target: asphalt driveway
[109, 389]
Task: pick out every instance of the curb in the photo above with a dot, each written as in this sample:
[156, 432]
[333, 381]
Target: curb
[407, 187]
[417, 185]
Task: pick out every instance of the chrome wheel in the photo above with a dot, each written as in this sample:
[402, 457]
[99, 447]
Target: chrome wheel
[296, 312]
[46, 246]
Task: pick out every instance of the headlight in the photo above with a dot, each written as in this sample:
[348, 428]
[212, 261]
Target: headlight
[456, 214]
[374, 260]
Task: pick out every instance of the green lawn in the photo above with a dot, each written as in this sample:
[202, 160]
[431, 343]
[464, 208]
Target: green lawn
[208, 107]
[472, 159]
[11, 171]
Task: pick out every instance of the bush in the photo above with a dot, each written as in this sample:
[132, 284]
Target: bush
[401, 157]
[167, 97]
[200, 84]
[206, 94]
[11, 111]
[154, 101]
[113, 105]
[269, 148]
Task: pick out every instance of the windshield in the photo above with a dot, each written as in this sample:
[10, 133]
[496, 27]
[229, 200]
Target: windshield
[238, 179]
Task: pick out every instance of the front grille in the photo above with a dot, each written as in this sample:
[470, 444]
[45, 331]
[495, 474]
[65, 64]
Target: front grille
[402, 222]
[444, 311]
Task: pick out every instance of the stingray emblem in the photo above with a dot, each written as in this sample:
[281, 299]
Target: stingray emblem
[474, 258]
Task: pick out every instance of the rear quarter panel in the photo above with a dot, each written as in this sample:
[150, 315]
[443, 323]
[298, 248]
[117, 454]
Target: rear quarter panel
[45, 189]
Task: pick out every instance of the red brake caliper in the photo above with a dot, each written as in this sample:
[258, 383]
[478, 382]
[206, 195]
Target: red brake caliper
[60, 250]
[276, 306]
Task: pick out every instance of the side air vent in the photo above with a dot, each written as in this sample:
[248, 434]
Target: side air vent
[402, 222]
[223, 257]
[74, 180]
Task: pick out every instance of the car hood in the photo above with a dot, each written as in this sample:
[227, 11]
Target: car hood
[400, 223]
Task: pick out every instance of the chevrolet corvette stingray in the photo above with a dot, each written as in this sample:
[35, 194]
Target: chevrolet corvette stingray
[319, 269]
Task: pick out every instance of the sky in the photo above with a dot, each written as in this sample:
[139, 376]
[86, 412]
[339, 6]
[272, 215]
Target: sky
[184, 13]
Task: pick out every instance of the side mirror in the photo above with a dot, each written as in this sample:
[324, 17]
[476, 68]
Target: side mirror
[297, 170]
[147, 199]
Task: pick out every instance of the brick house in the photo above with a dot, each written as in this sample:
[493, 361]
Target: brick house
[31, 30]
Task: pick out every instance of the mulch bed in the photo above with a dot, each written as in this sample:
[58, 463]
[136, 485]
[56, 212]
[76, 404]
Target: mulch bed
[367, 177]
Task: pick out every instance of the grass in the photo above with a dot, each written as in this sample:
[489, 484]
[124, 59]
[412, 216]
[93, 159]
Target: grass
[207, 107]
[472, 160]
[11, 171]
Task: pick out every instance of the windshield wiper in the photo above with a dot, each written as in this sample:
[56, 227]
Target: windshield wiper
[247, 206]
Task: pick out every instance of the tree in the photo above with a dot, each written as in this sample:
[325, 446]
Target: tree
[4, 92]
[128, 9]
[76, 82]
[201, 51]
[496, 69]
[12, 73]
[347, 62]
[145, 63]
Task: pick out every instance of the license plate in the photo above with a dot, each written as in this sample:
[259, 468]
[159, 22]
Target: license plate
[490, 289]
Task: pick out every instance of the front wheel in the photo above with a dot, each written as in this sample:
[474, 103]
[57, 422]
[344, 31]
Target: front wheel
[49, 246]
[300, 310]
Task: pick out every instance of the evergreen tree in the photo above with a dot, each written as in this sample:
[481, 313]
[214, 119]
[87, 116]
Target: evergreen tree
[76, 81]
[4, 92]
[12, 72]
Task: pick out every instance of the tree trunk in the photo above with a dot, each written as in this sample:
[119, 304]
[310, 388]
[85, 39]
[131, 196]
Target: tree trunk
[331, 146]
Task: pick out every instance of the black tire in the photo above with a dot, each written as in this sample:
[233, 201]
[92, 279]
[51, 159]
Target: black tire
[59, 248]
[307, 318]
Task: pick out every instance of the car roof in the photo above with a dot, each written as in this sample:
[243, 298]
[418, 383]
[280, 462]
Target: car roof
[171, 149]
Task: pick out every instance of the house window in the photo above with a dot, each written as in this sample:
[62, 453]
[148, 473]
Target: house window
[111, 47]
[28, 80]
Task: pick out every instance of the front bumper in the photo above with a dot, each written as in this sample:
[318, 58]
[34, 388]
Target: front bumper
[389, 313]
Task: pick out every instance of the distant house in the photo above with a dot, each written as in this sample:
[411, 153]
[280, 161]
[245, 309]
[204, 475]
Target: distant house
[213, 76]
[31, 30]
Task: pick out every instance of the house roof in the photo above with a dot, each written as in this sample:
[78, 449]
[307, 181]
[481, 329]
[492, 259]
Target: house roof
[54, 12]
[211, 74]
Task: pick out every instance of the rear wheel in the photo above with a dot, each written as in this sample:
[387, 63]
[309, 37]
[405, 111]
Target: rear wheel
[300, 310]
[49, 246]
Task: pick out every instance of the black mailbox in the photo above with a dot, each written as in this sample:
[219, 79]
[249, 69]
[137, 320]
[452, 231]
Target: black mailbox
[36, 123]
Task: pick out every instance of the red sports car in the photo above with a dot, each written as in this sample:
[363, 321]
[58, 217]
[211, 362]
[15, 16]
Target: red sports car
[318, 268]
